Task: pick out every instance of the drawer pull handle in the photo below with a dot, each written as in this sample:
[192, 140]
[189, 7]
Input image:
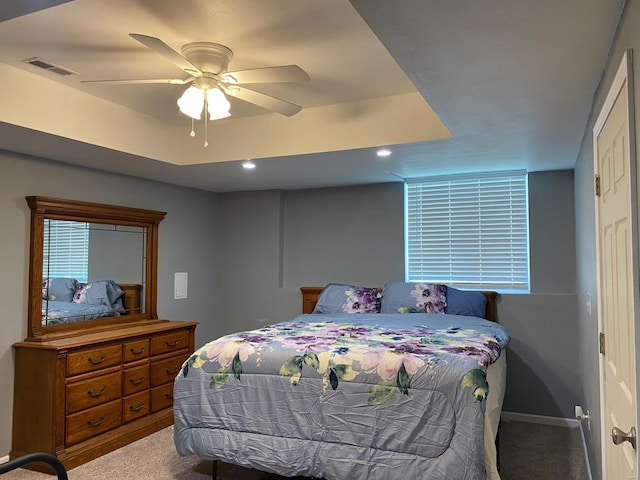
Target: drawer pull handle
[137, 352]
[172, 344]
[169, 396]
[136, 408]
[172, 371]
[97, 361]
[97, 393]
[95, 423]
[137, 381]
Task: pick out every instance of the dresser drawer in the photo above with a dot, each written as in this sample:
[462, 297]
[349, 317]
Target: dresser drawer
[136, 350]
[93, 359]
[91, 422]
[165, 371]
[170, 342]
[135, 379]
[161, 397]
[135, 406]
[92, 392]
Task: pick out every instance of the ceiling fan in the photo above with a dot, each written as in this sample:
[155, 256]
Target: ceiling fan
[206, 64]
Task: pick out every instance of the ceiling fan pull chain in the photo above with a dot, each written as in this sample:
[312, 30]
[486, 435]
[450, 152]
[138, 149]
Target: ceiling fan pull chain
[193, 133]
[206, 118]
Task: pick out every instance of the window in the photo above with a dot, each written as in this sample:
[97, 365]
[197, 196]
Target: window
[66, 249]
[469, 231]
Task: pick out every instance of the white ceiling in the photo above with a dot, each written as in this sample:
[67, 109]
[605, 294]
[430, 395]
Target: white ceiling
[450, 87]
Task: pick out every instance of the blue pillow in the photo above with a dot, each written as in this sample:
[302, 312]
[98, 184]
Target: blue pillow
[59, 289]
[342, 298]
[461, 302]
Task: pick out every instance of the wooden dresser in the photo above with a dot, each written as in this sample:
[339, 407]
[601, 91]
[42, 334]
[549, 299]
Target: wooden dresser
[83, 396]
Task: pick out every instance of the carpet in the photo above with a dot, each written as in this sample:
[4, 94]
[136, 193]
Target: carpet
[528, 451]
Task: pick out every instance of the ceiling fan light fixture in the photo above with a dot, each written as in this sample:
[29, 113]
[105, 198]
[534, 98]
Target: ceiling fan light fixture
[191, 102]
[217, 104]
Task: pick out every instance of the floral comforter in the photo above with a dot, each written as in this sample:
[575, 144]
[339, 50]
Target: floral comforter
[368, 396]
[54, 312]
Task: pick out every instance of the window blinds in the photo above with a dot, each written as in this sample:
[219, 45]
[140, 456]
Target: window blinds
[66, 249]
[469, 231]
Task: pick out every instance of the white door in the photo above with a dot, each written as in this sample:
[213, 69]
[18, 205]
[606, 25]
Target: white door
[618, 279]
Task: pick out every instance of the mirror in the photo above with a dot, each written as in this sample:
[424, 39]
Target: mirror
[92, 266]
[88, 269]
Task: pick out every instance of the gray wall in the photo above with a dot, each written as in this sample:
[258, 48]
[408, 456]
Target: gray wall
[542, 359]
[346, 235]
[628, 36]
[250, 256]
[248, 253]
[274, 242]
[552, 232]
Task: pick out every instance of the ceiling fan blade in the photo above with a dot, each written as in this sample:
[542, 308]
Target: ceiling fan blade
[281, 74]
[265, 101]
[167, 52]
[170, 81]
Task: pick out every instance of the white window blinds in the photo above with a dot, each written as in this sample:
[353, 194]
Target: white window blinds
[469, 231]
[66, 249]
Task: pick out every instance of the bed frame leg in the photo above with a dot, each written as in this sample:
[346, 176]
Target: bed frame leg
[498, 448]
[214, 471]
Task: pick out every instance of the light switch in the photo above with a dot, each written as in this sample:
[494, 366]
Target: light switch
[180, 285]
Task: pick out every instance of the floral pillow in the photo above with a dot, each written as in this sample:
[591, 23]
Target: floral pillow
[101, 292]
[404, 297]
[342, 298]
[79, 294]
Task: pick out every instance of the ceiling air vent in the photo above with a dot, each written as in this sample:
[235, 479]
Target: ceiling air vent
[42, 63]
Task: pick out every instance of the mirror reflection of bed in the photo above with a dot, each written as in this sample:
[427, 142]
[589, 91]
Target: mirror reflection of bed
[91, 270]
[87, 301]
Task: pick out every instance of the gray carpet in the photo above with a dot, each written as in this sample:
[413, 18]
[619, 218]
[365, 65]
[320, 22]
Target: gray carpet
[527, 452]
[539, 452]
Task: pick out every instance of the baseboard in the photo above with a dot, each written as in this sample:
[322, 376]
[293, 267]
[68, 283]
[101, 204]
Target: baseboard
[554, 421]
[540, 419]
[4, 459]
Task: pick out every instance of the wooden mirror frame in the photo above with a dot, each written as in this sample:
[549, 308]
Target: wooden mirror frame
[60, 209]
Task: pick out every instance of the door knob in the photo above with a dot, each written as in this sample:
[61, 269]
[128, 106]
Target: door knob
[618, 436]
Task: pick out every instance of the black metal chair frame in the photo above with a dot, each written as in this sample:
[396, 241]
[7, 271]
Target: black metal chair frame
[47, 458]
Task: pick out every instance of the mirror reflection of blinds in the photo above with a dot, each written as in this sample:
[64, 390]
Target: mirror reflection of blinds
[469, 231]
[66, 249]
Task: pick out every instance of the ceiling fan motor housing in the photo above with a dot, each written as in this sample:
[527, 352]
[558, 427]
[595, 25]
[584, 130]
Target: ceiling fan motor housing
[208, 57]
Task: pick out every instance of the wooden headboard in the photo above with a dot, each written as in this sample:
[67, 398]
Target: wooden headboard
[310, 298]
[132, 297]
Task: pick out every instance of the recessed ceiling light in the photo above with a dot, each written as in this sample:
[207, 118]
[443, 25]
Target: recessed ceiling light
[383, 152]
[248, 165]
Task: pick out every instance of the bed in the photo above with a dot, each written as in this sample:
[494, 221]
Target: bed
[410, 386]
[66, 300]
